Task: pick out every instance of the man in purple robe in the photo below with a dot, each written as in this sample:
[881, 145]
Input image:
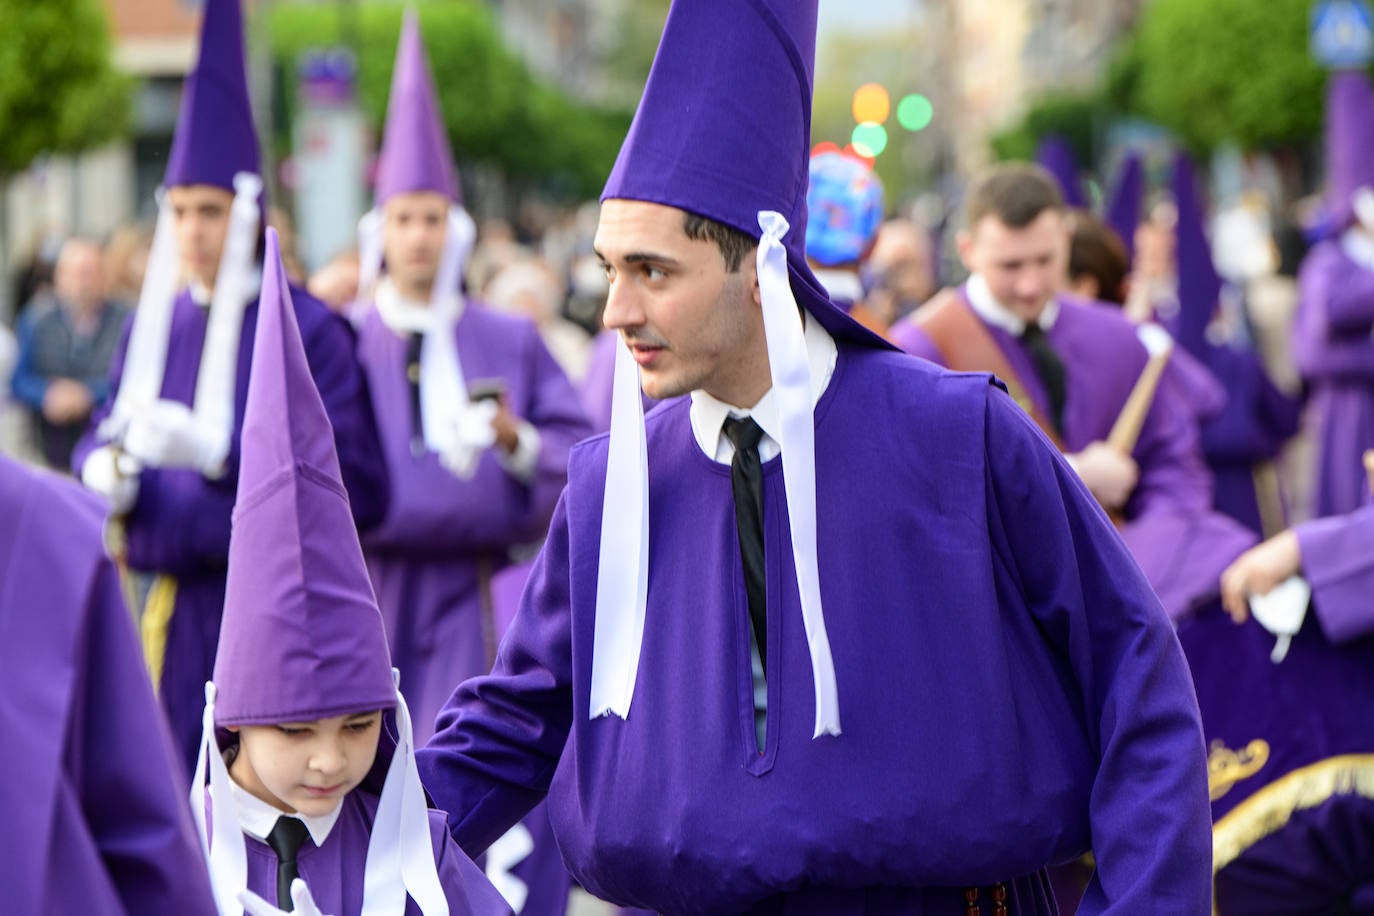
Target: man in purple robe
[95, 820]
[314, 805]
[837, 632]
[1332, 341]
[1073, 365]
[165, 451]
[476, 420]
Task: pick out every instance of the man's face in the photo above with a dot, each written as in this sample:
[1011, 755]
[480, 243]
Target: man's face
[200, 215]
[690, 323]
[413, 238]
[307, 766]
[78, 277]
[1023, 267]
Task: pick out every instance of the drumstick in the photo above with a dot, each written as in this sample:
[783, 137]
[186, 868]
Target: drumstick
[1126, 430]
[1369, 468]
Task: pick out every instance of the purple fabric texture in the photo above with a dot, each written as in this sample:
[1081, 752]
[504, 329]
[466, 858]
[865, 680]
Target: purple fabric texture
[1126, 200]
[1180, 544]
[301, 637]
[93, 795]
[1349, 138]
[415, 152]
[215, 138]
[1338, 560]
[335, 870]
[180, 525]
[676, 809]
[1334, 350]
[1056, 156]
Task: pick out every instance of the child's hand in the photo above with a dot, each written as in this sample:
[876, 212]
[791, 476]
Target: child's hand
[254, 905]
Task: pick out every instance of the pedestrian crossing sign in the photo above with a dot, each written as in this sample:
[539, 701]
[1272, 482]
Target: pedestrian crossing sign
[1342, 33]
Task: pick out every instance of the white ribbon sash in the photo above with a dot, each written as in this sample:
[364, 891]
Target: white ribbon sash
[225, 853]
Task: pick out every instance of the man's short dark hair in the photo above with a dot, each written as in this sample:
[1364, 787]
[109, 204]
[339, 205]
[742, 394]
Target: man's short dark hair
[1015, 193]
[732, 243]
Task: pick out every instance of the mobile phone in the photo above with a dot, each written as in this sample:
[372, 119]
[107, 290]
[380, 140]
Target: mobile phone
[486, 389]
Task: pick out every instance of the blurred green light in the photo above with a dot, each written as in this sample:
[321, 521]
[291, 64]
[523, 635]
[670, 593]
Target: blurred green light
[915, 112]
[869, 139]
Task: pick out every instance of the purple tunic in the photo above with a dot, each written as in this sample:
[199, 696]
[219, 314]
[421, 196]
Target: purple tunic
[1180, 544]
[434, 558]
[335, 870]
[1009, 687]
[1334, 351]
[95, 818]
[180, 524]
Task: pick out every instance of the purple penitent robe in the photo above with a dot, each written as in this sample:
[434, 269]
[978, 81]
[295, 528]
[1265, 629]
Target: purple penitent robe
[1334, 350]
[1180, 543]
[95, 819]
[179, 527]
[1009, 688]
[335, 871]
[433, 559]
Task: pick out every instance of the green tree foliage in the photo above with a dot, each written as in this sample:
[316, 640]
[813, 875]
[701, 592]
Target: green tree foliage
[59, 92]
[1229, 70]
[1076, 117]
[495, 110]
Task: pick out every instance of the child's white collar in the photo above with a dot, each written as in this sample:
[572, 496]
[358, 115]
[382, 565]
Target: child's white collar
[257, 817]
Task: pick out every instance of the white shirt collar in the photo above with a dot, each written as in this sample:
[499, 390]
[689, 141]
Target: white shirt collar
[843, 285]
[998, 315]
[257, 817]
[407, 316]
[708, 414]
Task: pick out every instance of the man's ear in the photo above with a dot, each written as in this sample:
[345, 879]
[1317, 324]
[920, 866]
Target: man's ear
[964, 242]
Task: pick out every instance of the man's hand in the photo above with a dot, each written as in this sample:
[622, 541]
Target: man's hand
[67, 401]
[168, 435]
[505, 425]
[1258, 571]
[1109, 475]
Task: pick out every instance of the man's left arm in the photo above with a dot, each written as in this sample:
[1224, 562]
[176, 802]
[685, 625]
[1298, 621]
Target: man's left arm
[1149, 808]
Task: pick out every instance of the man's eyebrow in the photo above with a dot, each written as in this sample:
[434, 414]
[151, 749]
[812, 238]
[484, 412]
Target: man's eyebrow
[642, 257]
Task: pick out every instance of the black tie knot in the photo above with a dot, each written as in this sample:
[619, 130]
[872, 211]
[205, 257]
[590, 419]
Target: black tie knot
[287, 835]
[1033, 333]
[744, 434]
[1049, 367]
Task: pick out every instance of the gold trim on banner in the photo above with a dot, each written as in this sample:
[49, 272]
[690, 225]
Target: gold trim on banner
[157, 617]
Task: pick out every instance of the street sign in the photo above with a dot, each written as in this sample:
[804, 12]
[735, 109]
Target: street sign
[1342, 33]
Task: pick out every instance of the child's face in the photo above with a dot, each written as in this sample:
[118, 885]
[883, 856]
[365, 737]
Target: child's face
[307, 767]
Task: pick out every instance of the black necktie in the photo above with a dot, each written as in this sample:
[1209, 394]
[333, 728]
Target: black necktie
[746, 480]
[1050, 370]
[285, 839]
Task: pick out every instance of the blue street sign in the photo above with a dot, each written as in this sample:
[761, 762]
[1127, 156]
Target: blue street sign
[1342, 34]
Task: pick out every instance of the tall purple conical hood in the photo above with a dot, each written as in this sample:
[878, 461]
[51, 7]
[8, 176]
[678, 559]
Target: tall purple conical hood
[724, 127]
[1123, 207]
[415, 151]
[1199, 284]
[302, 638]
[215, 138]
[1349, 140]
[1058, 158]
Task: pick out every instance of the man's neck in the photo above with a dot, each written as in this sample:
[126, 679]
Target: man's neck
[419, 293]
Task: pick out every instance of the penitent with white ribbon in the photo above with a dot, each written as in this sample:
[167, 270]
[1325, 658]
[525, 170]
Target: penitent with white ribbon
[621, 599]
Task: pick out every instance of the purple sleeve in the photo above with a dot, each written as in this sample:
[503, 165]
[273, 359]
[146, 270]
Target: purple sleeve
[132, 790]
[330, 351]
[907, 335]
[555, 410]
[500, 736]
[1350, 303]
[88, 442]
[1149, 811]
[1338, 560]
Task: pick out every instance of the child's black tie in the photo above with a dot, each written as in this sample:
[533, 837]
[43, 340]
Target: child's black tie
[285, 839]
